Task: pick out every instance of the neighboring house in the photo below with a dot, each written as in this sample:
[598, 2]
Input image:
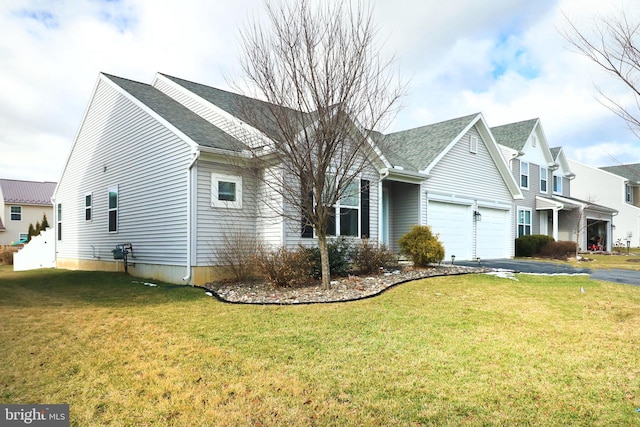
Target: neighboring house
[23, 203]
[617, 187]
[545, 177]
[160, 166]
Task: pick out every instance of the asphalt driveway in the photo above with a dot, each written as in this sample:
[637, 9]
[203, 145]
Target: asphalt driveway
[628, 277]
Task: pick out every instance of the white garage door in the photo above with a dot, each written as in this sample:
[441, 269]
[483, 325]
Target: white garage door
[453, 223]
[494, 234]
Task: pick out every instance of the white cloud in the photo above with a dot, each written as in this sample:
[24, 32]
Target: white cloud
[504, 58]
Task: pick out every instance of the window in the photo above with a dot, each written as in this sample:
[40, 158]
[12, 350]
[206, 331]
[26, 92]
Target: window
[544, 175]
[113, 209]
[226, 191]
[349, 205]
[557, 184]
[524, 222]
[628, 193]
[23, 236]
[524, 175]
[87, 206]
[473, 144]
[59, 220]
[16, 213]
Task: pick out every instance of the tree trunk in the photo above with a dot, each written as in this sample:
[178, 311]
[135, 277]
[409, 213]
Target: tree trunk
[324, 262]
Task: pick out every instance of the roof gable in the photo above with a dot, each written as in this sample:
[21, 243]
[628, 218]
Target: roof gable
[197, 129]
[528, 139]
[417, 149]
[27, 192]
[561, 161]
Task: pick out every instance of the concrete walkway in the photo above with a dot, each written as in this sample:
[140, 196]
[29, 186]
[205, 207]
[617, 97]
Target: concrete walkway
[628, 277]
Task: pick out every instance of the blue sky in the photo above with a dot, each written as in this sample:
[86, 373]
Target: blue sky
[504, 58]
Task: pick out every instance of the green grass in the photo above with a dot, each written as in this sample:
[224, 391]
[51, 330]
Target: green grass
[464, 350]
[625, 262]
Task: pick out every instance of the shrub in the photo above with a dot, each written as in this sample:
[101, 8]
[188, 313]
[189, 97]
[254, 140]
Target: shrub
[237, 255]
[369, 257]
[339, 257]
[559, 250]
[284, 267]
[531, 244]
[422, 246]
[6, 254]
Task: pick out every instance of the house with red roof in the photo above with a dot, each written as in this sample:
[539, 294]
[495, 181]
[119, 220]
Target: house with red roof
[23, 203]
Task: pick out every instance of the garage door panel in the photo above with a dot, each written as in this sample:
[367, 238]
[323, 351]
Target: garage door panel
[453, 224]
[493, 234]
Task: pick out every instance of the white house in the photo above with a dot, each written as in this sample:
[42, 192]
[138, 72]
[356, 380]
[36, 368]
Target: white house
[160, 167]
[605, 187]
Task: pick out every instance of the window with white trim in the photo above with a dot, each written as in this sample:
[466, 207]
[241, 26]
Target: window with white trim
[557, 184]
[628, 197]
[473, 144]
[346, 219]
[16, 213]
[59, 221]
[88, 202]
[524, 175]
[226, 191]
[524, 222]
[113, 209]
[23, 236]
[544, 176]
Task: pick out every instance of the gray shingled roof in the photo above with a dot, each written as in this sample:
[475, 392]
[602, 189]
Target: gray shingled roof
[256, 113]
[195, 127]
[415, 149]
[514, 135]
[27, 192]
[630, 172]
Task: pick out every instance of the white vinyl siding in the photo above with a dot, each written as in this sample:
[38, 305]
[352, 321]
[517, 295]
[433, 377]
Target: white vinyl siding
[121, 143]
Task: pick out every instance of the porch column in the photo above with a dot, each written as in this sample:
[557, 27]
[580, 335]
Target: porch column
[555, 224]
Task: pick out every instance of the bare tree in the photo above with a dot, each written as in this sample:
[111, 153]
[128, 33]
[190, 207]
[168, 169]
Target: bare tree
[614, 45]
[326, 88]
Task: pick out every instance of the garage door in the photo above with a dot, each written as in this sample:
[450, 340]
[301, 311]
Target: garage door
[494, 234]
[453, 223]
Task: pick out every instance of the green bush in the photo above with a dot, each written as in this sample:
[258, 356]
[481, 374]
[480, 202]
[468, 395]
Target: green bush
[284, 267]
[531, 244]
[370, 257]
[422, 246]
[339, 257]
[559, 250]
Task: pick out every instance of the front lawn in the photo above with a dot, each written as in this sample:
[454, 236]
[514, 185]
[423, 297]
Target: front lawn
[625, 262]
[460, 350]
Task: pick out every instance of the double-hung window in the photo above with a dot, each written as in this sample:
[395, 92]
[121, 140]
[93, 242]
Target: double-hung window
[16, 213]
[113, 209]
[226, 191]
[524, 222]
[543, 179]
[628, 194]
[524, 175]
[557, 184]
[346, 217]
[59, 220]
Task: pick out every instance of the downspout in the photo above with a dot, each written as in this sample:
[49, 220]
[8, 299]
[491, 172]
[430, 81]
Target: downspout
[196, 155]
